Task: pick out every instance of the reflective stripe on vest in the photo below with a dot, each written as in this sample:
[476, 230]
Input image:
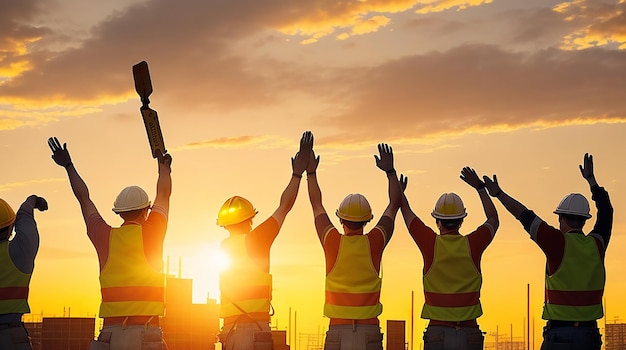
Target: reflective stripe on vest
[353, 285]
[130, 285]
[574, 292]
[452, 284]
[13, 284]
[244, 287]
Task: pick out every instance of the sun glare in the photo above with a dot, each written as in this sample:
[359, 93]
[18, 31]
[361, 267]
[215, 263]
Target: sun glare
[204, 267]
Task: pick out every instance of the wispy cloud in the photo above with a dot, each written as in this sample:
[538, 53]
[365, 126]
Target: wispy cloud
[13, 185]
[265, 142]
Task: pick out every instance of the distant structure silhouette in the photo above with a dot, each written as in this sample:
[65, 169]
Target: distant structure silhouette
[575, 273]
[452, 275]
[17, 262]
[246, 286]
[130, 256]
[353, 281]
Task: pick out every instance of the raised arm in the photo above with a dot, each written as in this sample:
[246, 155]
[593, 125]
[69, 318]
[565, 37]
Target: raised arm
[164, 183]
[512, 205]
[469, 176]
[25, 244]
[298, 164]
[407, 212]
[61, 156]
[315, 194]
[385, 163]
[604, 218]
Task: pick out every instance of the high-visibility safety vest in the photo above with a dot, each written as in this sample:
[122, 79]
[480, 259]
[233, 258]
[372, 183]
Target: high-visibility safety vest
[452, 283]
[245, 289]
[353, 285]
[13, 284]
[130, 286]
[574, 292]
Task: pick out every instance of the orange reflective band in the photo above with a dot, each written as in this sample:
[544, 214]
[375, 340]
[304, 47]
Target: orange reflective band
[8, 293]
[452, 299]
[247, 293]
[574, 298]
[352, 299]
[139, 293]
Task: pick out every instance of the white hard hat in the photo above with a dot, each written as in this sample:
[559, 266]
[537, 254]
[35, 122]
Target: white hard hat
[449, 206]
[131, 198]
[574, 204]
[355, 208]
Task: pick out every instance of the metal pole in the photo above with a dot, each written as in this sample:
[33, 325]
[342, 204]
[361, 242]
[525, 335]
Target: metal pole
[528, 315]
[290, 326]
[412, 312]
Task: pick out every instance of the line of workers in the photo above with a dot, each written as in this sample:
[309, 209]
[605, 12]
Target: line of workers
[132, 283]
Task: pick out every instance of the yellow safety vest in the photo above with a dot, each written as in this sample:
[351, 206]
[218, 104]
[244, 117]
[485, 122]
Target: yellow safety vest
[353, 285]
[130, 286]
[245, 289]
[452, 283]
[574, 292]
[13, 284]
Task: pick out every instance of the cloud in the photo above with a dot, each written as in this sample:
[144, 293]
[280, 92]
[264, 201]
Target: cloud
[237, 142]
[13, 185]
[482, 88]
[16, 35]
[429, 6]
[182, 43]
[598, 24]
[471, 88]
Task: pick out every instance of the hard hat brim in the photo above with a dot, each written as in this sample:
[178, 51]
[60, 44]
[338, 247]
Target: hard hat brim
[569, 212]
[447, 217]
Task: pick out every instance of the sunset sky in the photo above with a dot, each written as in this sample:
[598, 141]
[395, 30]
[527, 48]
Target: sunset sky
[521, 89]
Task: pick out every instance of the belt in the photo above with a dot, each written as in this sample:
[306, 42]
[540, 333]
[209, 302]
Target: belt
[560, 324]
[454, 324]
[253, 317]
[11, 325]
[132, 321]
[342, 321]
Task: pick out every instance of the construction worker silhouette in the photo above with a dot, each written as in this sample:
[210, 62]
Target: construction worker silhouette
[353, 281]
[575, 273]
[452, 275]
[246, 285]
[17, 262]
[130, 256]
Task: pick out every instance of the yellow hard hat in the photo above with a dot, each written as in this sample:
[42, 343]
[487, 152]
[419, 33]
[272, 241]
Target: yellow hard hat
[449, 206]
[355, 208]
[235, 210]
[574, 204]
[131, 198]
[7, 215]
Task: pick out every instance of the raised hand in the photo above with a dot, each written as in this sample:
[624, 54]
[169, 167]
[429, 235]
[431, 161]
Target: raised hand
[61, 156]
[165, 159]
[469, 176]
[385, 162]
[313, 163]
[404, 182]
[300, 161]
[492, 185]
[586, 169]
[40, 203]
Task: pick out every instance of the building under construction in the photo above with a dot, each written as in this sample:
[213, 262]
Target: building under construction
[396, 335]
[62, 333]
[615, 336]
[188, 326]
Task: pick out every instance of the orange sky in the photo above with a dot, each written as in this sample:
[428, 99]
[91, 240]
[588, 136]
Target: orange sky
[519, 89]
